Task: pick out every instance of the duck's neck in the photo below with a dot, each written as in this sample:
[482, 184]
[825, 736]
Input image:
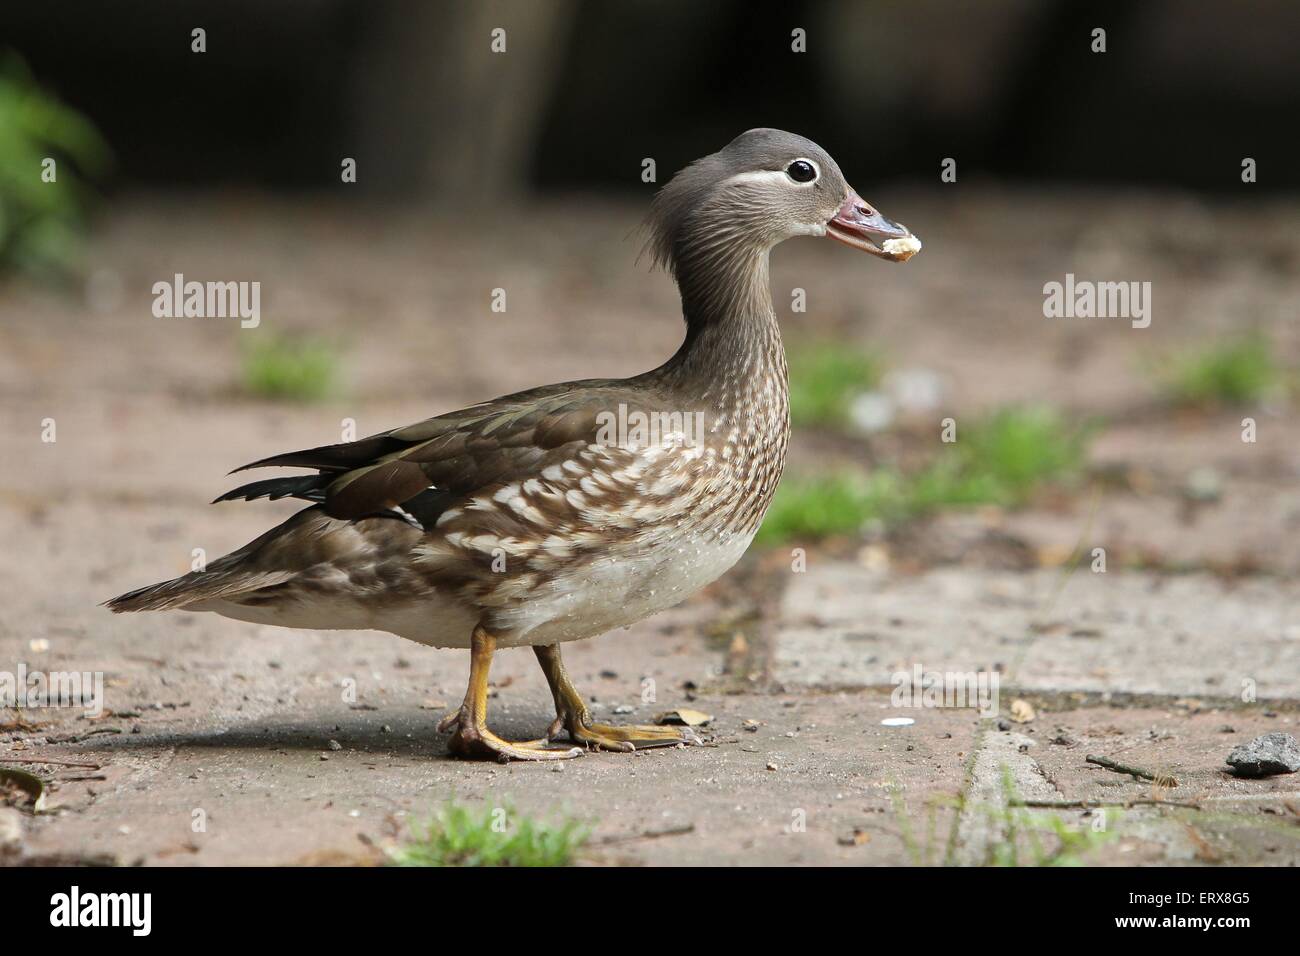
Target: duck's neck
[732, 369]
[733, 349]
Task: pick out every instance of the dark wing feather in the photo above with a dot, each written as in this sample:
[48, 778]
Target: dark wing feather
[378, 487]
[338, 457]
[454, 455]
[306, 487]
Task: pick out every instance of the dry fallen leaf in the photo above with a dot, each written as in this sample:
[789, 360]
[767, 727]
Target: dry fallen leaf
[874, 557]
[1053, 556]
[684, 715]
[19, 724]
[1022, 712]
[21, 789]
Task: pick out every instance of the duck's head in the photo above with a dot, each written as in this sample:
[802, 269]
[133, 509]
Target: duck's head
[762, 188]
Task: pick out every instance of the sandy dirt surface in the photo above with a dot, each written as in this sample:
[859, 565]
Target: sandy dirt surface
[1187, 646]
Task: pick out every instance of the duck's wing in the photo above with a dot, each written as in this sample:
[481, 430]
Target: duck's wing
[419, 470]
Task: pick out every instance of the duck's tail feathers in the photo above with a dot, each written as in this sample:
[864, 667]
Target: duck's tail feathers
[195, 588]
[343, 456]
[306, 487]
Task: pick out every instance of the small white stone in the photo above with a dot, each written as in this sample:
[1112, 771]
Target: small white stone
[872, 412]
[916, 389]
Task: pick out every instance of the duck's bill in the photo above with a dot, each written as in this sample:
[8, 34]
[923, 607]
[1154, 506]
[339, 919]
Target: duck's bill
[859, 225]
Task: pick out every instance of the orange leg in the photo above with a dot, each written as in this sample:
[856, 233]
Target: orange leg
[472, 737]
[571, 714]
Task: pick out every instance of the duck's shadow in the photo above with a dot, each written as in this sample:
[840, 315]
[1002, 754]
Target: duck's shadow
[405, 733]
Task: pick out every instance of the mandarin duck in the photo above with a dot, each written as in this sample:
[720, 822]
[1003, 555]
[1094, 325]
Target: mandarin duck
[561, 512]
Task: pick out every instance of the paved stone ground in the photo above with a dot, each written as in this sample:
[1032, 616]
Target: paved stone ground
[1186, 646]
[1164, 674]
[240, 731]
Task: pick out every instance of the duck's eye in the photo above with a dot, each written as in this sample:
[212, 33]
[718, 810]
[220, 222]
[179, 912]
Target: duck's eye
[801, 171]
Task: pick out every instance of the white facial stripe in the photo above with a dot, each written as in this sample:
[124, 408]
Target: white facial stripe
[778, 175]
[760, 176]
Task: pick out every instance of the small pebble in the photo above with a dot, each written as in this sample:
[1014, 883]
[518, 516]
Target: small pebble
[334, 745]
[1265, 756]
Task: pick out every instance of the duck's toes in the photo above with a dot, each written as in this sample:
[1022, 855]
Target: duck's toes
[448, 722]
[630, 737]
[469, 740]
[488, 744]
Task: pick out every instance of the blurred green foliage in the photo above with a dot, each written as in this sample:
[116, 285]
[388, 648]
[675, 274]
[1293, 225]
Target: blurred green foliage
[840, 503]
[1005, 458]
[824, 380]
[459, 836]
[279, 367]
[1000, 460]
[1235, 372]
[41, 222]
[1030, 838]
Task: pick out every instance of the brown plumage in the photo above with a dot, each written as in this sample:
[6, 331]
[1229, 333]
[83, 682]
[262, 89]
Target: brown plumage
[561, 512]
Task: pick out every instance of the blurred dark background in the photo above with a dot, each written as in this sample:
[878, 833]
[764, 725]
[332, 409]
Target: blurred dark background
[587, 89]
